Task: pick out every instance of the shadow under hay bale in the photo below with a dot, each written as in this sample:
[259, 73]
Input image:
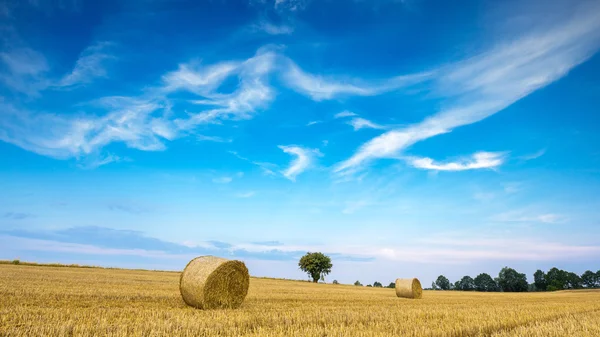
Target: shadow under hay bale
[210, 282]
[409, 288]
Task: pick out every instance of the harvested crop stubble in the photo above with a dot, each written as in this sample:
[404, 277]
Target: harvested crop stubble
[210, 282]
[408, 288]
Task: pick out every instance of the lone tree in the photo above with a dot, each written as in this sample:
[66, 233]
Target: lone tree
[358, 284]
[392, 285]
[316, 265]
[442, 282]
[377, 284]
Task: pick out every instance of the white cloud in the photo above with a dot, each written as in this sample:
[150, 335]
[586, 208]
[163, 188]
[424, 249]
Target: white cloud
[321, 88]
[528, 216]
[534, 155]
[245, 194]
[488, 83]
[479, 160]
[213, 139]
[273, 29]
[304, 159]
[344, 113]
[90, 65]
[26, 70]
[313, 123]
[360, 123]
[222, 180]
[267, 168]
[511, 188]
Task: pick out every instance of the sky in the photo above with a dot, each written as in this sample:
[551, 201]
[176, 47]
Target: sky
[402, 138]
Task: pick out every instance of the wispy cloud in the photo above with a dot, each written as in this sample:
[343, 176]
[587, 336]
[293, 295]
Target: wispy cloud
[361, 123]
[344, 113]
[313, 123]
[222, 180]
[488, 83]
[25, 70]
[534, 155]
[304, 159]
[321, 88]
[528, 216]
[213, 139]
[479, 160]
[273, 29]
[127, 207]
[90, 65]
[245, 194]
[267, 168]
[17, 215]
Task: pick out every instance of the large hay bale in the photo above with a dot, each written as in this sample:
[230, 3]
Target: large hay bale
[408, 288]
[210, 282]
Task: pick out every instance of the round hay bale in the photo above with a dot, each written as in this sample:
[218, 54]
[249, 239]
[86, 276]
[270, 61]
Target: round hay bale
[210, 282]
[408, 288]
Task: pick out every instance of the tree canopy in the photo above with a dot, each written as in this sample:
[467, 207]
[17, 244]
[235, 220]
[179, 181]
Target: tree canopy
[316, 265]
[510, 280]
[484, 282]
[442, 282]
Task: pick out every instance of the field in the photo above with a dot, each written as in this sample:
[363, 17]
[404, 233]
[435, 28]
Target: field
[61, 301]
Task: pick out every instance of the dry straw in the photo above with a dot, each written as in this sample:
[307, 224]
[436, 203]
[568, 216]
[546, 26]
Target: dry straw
[210, 282]
[408, 288]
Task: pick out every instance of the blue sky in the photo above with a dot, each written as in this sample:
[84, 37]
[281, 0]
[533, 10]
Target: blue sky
[403, 138]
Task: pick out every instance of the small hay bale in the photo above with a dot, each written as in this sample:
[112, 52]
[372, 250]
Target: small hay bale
[408, 288]
[210, 282]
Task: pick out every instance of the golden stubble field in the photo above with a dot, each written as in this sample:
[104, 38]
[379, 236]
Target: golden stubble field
[60, 301]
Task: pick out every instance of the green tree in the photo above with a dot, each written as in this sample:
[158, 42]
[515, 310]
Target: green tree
[377, 284]
[392, 285]
[484, 282]
[368, 285]
[573, 281]
[556, 279]
[456, 285]
[467, 283]
[588, 279]
[442, 282]
[433, 286]
[316, 265]
[510, 280]
[335, 282]
[357, 283]
[539, 279]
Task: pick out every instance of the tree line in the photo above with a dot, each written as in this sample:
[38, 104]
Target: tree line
[509, 280]
[318, 265]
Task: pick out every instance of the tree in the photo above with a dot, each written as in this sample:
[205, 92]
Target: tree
[466, 283]
[335, 282]
[377, 284]
[573, 281]
[456, 285]
[442, 282]
[556, 279]
[392, 285]
[357, 283]
[433, 286]
[510, 280]
[316, 265]
[368, 285]
[540, 281]
[484, 282]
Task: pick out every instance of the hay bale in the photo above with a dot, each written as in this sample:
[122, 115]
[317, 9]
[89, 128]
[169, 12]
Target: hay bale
[210, 282]
[408, 288]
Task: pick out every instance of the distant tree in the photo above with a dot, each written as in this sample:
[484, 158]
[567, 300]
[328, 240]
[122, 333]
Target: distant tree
[392, 285]
[442, 282]
[357, 283]
[377, 284]
[573, 281]
[484, 282]
[368, 285]
[316, 265]
[467, 283]
[456, 285]
[531, 287]
[335, 282]
[556, 279]
[588, 279]
[540, 281]
[433, 286]
[510, 280]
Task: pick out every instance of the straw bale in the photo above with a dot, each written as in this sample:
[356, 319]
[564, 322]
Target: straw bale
[409, 288]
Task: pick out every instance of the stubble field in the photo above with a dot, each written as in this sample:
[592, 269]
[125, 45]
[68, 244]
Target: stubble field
[61, 301]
